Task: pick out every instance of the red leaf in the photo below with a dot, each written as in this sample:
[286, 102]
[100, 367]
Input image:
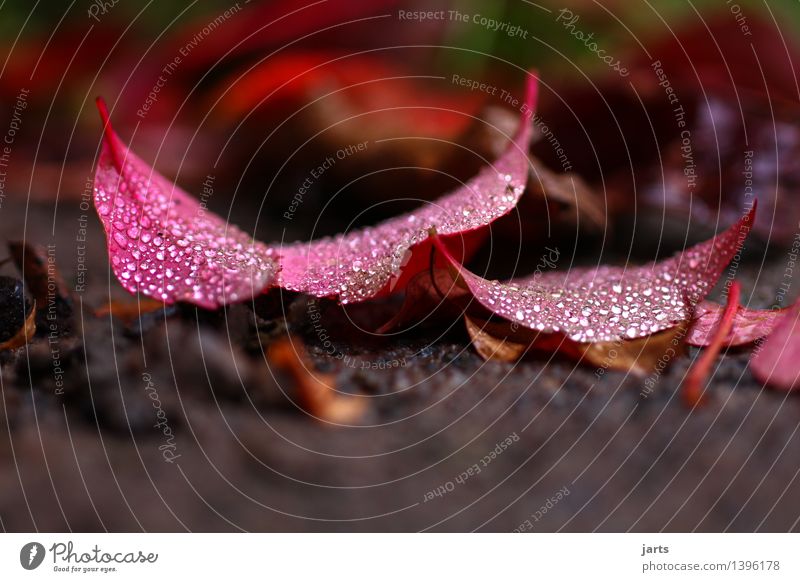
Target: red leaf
[163, 243]
[372, 261]
[748, 324]
[777, 361]
[610, 303]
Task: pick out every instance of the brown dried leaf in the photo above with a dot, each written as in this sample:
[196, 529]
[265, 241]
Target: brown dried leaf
[640, 356]
[490, 346]
[315, 392]
[129, 311]
[570, 190]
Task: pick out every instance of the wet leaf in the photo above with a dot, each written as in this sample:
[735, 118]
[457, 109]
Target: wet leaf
[749, 325]
[609, 303]
[377, 260]
[163, 243]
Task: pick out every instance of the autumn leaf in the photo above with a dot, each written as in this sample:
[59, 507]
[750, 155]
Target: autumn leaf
[377, 260]
[163, 243]
[607, 305]
[749, 325]
[492, 343]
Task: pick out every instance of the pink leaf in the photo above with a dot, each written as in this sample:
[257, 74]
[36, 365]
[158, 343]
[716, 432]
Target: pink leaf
[610, 303]
[372, 261]
[163, 243]
[748, 324]
[777, 360]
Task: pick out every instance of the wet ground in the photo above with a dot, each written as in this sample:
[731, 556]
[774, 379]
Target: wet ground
[449, 442]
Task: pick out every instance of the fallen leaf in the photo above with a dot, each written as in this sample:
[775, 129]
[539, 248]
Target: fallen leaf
[749, 325]
[163, 243]
[491, 346]
[377, 260]
[608, 305]
[640, 356]
[315, 392]
[129, 311]
[428, 295]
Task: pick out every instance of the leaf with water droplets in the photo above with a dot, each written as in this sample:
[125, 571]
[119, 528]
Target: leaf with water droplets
[608, 304]
[163, 243]
[749, 325]
[377, 260]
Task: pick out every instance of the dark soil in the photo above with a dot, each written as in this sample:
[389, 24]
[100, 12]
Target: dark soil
[87, 455]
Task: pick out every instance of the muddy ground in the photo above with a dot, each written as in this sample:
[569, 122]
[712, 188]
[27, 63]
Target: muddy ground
[581, 453]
